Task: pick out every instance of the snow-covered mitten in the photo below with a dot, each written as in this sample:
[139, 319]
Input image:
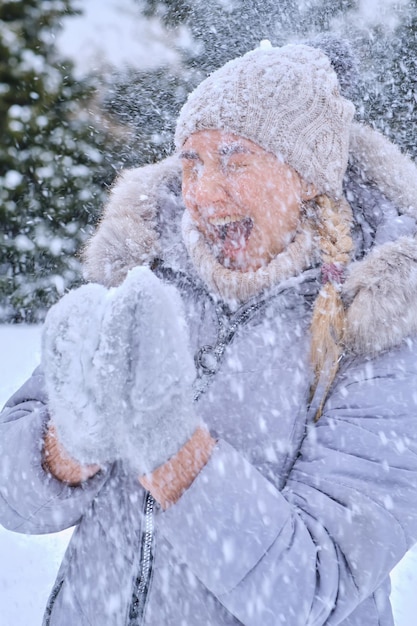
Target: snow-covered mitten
[144, 346]
[119, 372]
[70, 339]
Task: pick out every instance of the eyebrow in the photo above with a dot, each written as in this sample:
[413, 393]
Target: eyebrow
[233, 148]
[223, 150]
[189, 154]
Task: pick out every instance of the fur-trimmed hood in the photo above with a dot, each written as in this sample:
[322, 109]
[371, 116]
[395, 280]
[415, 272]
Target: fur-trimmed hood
[142, 222]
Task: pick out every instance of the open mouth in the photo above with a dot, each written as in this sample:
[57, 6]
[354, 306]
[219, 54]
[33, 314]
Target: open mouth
[234, 231]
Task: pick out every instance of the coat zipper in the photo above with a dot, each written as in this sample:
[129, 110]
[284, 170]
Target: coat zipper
[51, 602]
[142, 582]
[205, 375]
[143, 579]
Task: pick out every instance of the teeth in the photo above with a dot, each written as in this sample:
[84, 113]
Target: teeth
[221, 221]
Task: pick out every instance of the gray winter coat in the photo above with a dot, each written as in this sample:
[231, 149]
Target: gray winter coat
[290, 522]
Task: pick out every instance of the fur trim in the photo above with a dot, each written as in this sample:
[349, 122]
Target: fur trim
[381, 294]
[128, 234]
[382, 163]
[142, 221]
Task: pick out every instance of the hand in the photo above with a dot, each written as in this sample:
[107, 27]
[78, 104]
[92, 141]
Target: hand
[119, 372]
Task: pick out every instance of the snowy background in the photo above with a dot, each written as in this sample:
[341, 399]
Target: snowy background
[103, 36]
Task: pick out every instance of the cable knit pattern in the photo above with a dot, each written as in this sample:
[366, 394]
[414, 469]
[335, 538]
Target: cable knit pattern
[287, 100]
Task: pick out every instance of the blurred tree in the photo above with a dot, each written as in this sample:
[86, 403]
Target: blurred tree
[52, 161]
[146, 105]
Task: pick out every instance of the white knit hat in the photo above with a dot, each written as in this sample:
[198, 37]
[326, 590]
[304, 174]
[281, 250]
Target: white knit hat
[287, 100]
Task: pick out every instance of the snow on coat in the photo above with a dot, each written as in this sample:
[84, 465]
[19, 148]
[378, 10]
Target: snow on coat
[290, 521]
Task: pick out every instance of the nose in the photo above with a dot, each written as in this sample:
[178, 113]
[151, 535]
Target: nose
[210, 187]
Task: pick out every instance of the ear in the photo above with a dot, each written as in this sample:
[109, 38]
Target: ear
[308, 190]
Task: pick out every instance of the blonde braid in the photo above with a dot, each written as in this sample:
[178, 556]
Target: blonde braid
[333, 225]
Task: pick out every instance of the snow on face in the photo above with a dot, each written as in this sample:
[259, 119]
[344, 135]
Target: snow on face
[244, 200]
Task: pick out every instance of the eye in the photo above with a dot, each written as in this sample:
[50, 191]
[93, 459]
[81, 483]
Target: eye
[190, 168]
[235, 165]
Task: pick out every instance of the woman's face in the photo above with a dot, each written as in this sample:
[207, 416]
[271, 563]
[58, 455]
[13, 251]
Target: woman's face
[245, 201]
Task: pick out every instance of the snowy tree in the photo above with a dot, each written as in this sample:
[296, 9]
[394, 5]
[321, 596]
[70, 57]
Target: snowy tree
[51, 162]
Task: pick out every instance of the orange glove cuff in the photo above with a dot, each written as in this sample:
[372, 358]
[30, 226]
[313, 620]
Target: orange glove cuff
[169, 481]
[58, 462]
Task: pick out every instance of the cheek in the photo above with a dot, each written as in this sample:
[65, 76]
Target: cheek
[188, 195]
[245, 196]
[288, 221]
[192, 211]
[246, 184]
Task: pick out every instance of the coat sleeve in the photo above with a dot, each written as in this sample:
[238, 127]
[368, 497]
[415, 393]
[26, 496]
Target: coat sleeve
[311, 553]
[31, 500]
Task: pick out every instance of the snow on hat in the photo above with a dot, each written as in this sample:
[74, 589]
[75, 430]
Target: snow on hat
[287, 100]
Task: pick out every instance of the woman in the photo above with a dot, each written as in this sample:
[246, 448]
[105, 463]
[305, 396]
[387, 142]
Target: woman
[277, 481]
